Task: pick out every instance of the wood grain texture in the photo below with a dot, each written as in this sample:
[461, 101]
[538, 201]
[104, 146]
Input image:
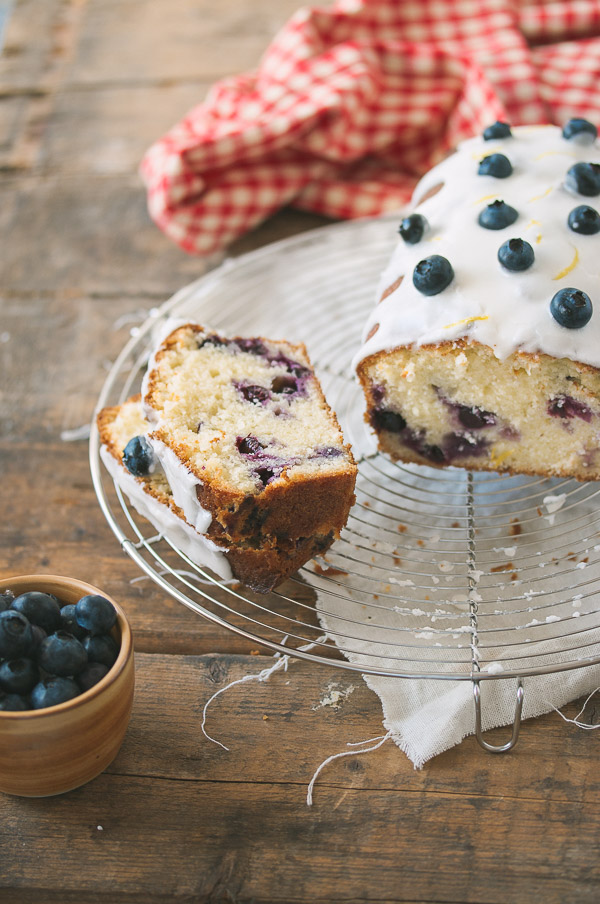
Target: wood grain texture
[235, 823]
[85, 87]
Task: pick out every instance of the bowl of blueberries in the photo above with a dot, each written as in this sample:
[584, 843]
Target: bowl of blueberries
[66, 683]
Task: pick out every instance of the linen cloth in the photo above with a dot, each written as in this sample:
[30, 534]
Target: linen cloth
[351, 104]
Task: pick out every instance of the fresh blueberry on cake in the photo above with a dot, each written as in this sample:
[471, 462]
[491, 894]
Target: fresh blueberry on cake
[496, 165]
[571, 308]
[412, 228]
[138, 456]
[498, 367]
[580, 130]
[497, 215]
[584, 179]
[432, 275]
[584, 219]
[497, 130]
[516, 254]
[247, 472]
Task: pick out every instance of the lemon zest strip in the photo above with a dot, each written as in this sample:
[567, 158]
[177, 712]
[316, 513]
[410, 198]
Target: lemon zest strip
[571, 266]
[466, 320]
[497, 458]
[485, 198]
[543, 195]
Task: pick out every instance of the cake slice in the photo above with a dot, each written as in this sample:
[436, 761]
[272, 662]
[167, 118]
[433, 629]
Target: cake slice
[236, 438]
[483, 351]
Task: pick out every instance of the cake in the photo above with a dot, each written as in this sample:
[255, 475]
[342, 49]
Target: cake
[233, 442]
[483, 350]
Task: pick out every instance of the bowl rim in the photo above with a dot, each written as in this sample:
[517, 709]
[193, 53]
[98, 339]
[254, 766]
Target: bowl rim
[113, 673]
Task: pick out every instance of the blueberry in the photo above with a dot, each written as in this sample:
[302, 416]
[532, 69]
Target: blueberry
[249, 445]
[16, 637]
[571, 308]
[327, 452]
[138, 456]
[12, 703]
[385, 419]
[91, 675]
[497, 130]
[516, 255]
[101, 648]
[566, 407]
[411, 228]
[96, 614]
[18, 676]
[581, 130]
[252, 347]
[285, 385]
[496, 165]
[584, 178]
[69, 623]
[251, 392]
[62, 654]
[457, 445]
[473, 417]
[39, 609]
[52, 691]
[38, 636]
[432, 275]
[497, 215]
[584, 220]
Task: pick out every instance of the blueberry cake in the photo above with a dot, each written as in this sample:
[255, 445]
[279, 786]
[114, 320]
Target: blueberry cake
[234, 437]
[483, 351]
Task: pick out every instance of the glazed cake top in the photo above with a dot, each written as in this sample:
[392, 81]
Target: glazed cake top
[505, 309]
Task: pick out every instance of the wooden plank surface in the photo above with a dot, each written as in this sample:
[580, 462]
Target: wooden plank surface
[85, 87]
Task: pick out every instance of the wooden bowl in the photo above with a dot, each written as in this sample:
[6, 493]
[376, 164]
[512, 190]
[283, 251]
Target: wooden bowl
[49, 751]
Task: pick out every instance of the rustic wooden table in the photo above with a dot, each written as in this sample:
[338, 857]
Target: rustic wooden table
[85, 87]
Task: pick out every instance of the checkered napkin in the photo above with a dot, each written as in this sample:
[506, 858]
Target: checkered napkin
[351, 104]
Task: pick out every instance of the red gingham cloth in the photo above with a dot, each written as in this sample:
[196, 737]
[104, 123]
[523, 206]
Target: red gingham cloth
[351, 104]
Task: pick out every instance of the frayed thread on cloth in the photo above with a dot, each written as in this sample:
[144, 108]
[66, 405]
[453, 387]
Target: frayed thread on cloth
[576, 721]
[381, 741]
[281, 663]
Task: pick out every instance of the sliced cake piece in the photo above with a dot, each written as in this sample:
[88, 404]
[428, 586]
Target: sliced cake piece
[252, 457]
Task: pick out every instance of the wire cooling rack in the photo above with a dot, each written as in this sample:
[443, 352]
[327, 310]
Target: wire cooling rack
[441, 574]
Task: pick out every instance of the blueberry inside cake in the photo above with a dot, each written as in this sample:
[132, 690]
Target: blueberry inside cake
[239, 436]
[483, 351]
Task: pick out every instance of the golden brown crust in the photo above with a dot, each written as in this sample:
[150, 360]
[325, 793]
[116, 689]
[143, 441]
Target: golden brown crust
[264, 569]
[297, 508]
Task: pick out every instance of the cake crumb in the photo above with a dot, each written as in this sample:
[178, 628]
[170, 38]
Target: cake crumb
[255, 652]
[265, 718]
[508, 567]
[334, 696]
[515, 527]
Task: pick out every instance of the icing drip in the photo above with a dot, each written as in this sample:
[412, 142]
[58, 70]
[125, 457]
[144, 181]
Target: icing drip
[507, 311]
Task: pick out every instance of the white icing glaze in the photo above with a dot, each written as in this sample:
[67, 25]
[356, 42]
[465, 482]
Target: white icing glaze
[201, 550]
[513, 308]
[183, 486]
[159, 333]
